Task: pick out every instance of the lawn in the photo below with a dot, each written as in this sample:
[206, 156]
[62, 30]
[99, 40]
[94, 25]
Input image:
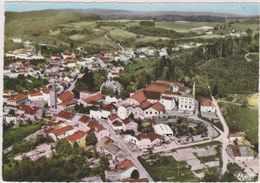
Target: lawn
[139, 66]
[241, 119]
[77, 37]
[122, 35]
[150, 39]
[167, 169]
[16, 134]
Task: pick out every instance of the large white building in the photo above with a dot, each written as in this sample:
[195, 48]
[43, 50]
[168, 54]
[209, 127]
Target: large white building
[163, 130]
[187, 104]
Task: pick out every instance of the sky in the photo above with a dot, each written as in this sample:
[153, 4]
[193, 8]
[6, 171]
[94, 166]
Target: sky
[245, 9]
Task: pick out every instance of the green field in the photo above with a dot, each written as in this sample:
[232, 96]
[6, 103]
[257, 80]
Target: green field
[169, 170]
[121, 35]
[241, 119]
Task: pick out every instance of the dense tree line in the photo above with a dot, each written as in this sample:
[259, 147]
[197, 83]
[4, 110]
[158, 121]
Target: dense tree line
[67, 164]
[158, 32]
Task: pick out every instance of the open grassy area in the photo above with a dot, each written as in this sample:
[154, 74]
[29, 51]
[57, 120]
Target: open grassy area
[121, 35]
[139, 66]
[253, 100]
[167, 169]
[16, 134]
[241, 119]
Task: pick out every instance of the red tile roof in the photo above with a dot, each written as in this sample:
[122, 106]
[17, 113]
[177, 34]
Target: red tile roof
[68, 103]
[93, 99]
[158, 107]
[94, 125]
[18, 97]
[28, 109]
[62, 130]
[112, 117]
[158, 87]
[117, 123]
[77, 135]
[66, 115]
[65, 96]
[139, 96]
[84, 119]
[151, 135]
[51, 123]
[146, 104]
[206, 102]
[35, 94]
[124, 165]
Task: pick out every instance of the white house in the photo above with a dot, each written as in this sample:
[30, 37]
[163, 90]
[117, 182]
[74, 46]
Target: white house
[148, 140]
[206, 105]
[37, 96]
[122, 112]
[156, 109]
[168, 102]
[61, 133]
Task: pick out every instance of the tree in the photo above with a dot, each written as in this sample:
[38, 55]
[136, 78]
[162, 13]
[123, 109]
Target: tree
[76, 93]
[91, 139]
[63, 147]
[135, 174]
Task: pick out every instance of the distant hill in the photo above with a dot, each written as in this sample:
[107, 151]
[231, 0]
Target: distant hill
[123, 14]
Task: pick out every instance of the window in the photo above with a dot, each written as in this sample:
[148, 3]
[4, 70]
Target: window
[151, 112]
[146, 112]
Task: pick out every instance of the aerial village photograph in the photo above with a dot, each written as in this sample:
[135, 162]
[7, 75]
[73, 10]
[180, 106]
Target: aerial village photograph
[130, 92]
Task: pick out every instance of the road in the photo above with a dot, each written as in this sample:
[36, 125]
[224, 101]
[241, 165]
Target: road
[130, 154]
[224, 137]
[118, 44]
[72, 86]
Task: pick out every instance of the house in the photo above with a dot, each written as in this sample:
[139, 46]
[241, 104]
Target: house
[90, 101]
[98, 129]
[78, 137]
[129, 124]
[17, 99]
[168, 102]
[65, 96]
[29, 112]
[163, 130]
[67, 105]
[61, 133]
[136, 98]
[103, 111]
[186, 104]
[83, 123]
[122, 112]
[206, 105]
[65, 116]
[36, 96]
[148, 140]
[156, 109]
[118, 125]
[123, 171]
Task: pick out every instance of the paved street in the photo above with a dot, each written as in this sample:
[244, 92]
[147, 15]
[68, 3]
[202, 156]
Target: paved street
[130, 154]
[223, 137]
